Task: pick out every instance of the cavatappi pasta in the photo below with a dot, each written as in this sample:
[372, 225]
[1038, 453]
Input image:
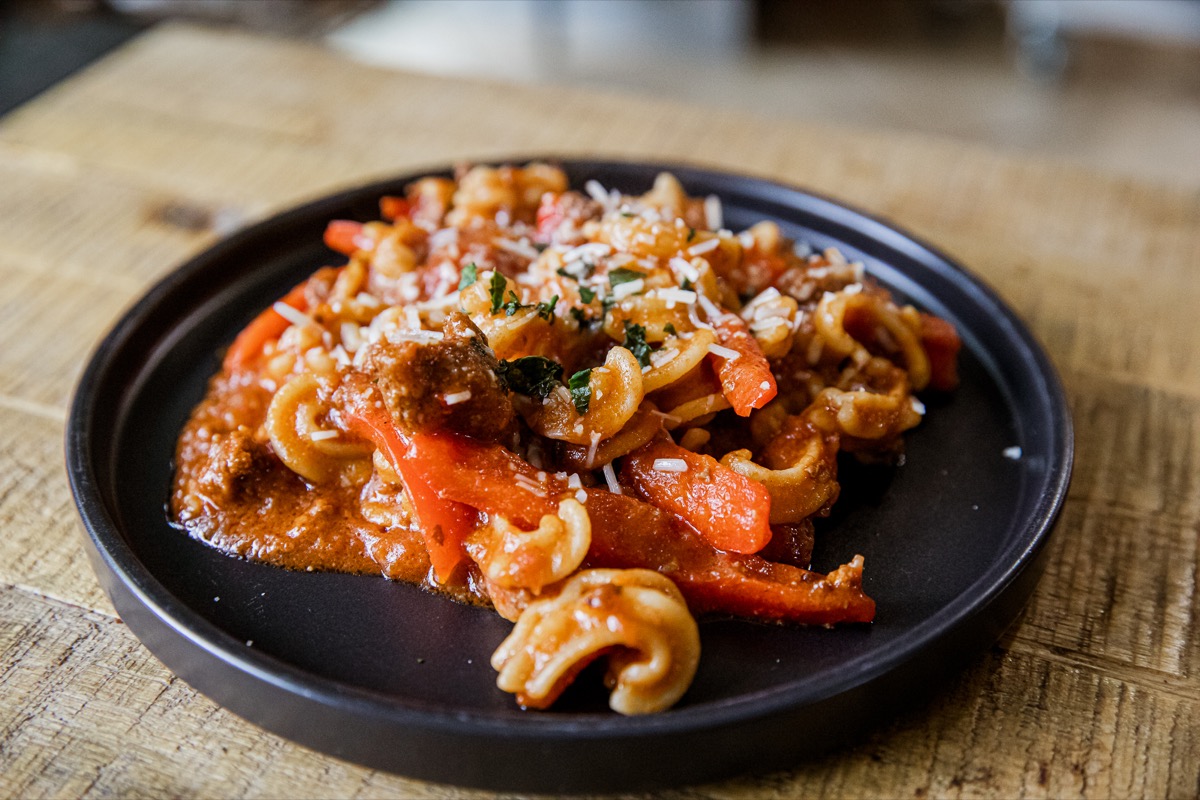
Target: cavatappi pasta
[603, 415]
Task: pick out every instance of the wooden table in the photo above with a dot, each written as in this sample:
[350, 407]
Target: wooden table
[113, 178]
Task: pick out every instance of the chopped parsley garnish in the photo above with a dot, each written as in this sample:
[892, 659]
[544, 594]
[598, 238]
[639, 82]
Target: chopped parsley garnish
[497, 287]
[635, 342]
[606, 304]
[581, 390]
[578, 275]
[468, 276]
[669, 329]
[545, 309]
[691, 234]
[623, 275]
[535, 376]
[628, 214]
[686, 285]
[587, 295]
[578, 315]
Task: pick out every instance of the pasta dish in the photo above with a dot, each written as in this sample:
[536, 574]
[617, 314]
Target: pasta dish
[602, 415]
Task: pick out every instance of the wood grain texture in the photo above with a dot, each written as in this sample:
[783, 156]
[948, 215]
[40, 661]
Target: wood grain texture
[113, 178]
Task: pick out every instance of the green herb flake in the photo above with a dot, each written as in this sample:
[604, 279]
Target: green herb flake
[635, 342]
[606, 304]
[669, 329]
[565, 274]
[497, 287]
[691, 234]
[545, 310]
[468, 276]
[535, 376]
[513, 305]
[686, 285]
[579, 317]
[587, 295]
[623, 275]
[581, 390]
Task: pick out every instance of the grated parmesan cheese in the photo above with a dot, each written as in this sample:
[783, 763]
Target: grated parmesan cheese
[672, 296]
[670, 465]
[320, 436]
[684, 267]
[610, 478]
[623, 290]
[723, 352]
[521, 248]
[706, 246]
[292, 315]
[454, 398]
[713, 216]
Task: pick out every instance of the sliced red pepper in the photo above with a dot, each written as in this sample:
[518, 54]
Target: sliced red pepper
[342, 235]
[628, 533]
[941, 343]
[746, 379]
[483, 475]
[729, 510]
[266, 327]
[444, 523]
[393, 208]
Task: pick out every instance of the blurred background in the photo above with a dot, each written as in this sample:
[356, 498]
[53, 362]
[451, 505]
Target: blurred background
[1109, 84]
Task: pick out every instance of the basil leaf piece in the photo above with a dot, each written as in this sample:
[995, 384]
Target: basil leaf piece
[635, 342]
[545, 309]
[669, 329]
[587, 295]
[535, 376]
[497, 287]
[468, 276]
[581, 389]
[623, 275]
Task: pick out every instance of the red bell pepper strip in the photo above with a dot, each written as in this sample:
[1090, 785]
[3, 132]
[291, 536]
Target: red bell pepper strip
[483, 475]
[627, 532]
[266, 327]
[746, 379]
[444, 523]
[393, 208]
[732, 512]
[342, 235]
[941, 343]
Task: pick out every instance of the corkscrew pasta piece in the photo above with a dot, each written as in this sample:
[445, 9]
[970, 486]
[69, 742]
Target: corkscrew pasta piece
[643, 426]
[873, 318]
[678, 356]
[878, 408]
[636, 618]
[800, 472]
[615, 390]
[517, 559]
[771, 316]
[315, 451]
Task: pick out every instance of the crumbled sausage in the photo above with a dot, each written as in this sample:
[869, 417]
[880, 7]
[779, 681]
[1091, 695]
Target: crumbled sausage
[446, 385]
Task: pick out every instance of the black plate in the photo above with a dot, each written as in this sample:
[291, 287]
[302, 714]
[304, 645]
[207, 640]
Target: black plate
[389, 676]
